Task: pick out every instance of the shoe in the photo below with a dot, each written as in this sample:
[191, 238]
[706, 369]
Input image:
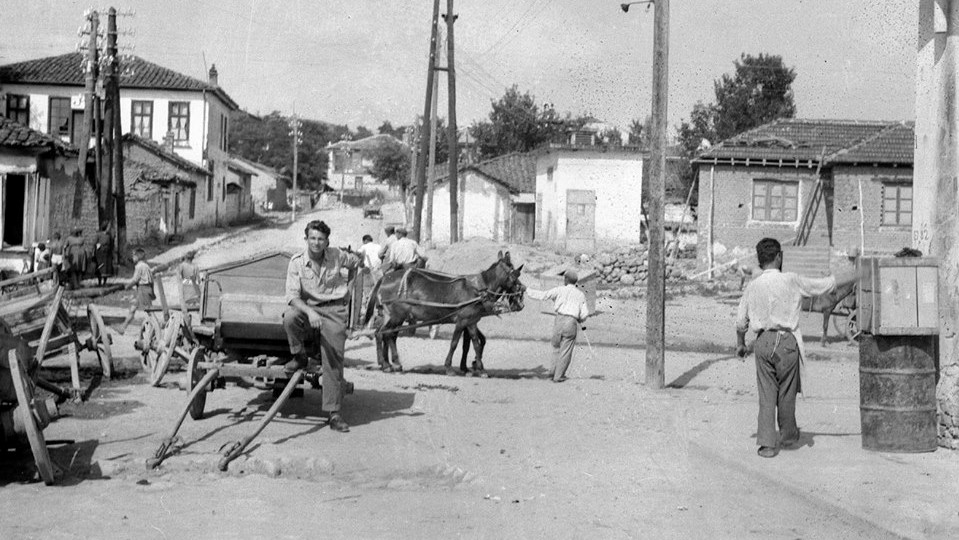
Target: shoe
[791, 443]
[337, 423]
[298, 363]
[767, 451]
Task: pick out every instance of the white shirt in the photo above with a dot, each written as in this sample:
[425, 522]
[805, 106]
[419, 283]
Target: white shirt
[567, 300]
[404, 251]
[773, 301]
[371, 255]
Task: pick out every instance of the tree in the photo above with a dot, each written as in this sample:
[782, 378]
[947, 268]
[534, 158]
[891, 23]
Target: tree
[759, 91]
[699, 128]
[639, 132]
[516, 124]
[391, 164]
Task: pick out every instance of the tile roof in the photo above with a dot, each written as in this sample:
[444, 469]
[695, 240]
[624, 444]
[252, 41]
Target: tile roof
[516, 171]
[172, 157]
[15, 135]
[801, 140]
[66, 69]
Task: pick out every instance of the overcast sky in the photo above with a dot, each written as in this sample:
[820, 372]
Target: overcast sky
[364, 61]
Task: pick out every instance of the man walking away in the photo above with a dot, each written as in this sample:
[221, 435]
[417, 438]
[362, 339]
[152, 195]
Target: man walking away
[142, 280]
[569, 305]
[404, 253]
[390, 238]
[770, 306]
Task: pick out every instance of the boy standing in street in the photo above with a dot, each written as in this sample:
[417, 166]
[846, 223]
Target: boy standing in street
[569, 305]
[770, 306]
[142, 280]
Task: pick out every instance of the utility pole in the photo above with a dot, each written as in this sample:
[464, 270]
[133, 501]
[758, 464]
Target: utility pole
[451, 136]
[295, 125]
[425, 139]
[91, 70]
[428, 228]
[106, 203]
[113, 91]
[656, 279]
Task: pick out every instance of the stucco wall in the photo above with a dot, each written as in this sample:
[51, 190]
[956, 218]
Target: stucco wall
[485, 209]
[616, 179]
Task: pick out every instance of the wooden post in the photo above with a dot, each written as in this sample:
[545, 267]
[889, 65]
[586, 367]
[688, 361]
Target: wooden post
[452, 138]
[119, 188]
[709, 222]
[425, 138]
[682, 220]
[91, 69]
[428, 229]
[105, 202]
[656, 279]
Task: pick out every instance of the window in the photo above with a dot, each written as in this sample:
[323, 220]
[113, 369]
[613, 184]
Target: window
[896, 204]
[142, 115]
[192, 202]
[209, 188]
[61, 119]
[18, 109]
[358, 183]
[224, 131]
[775, 201]
[180, 121]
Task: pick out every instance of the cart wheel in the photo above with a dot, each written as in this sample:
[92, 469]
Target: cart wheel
[149, 344]
[846, 325]
[171, 337]
[100, 340]
[852, 327]
[28, 413]
[196, 373]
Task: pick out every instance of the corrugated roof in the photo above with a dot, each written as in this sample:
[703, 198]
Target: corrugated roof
[516, 171]
[67, 69]
[15, 135]
[808, 140]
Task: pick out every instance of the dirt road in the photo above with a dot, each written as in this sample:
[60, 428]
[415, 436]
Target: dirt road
[431, 456]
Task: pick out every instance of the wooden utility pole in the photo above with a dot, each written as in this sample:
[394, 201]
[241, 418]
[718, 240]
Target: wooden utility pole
[656, 279]
[428, 228]
[113, 91]
[425, 138]
[451, 136]
[91, 70]
[295, 125]
[105, 200]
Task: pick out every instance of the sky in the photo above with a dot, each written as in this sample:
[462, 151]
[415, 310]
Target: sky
[360, 62]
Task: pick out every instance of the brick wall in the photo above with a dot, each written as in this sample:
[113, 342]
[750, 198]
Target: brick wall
[62, 172]
[733, 225]
[879, 238]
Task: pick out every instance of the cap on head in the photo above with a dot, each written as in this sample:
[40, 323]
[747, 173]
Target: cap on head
[401, 230]
[571, 276]
[389, 230]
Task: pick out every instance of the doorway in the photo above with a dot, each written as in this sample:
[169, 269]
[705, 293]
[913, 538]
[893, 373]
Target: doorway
[14, 199]
[580, 220]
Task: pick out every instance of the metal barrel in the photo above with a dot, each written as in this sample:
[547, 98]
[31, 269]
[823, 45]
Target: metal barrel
[897, 393]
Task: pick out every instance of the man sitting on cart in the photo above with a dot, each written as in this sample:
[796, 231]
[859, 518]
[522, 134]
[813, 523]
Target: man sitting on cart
[317, 291]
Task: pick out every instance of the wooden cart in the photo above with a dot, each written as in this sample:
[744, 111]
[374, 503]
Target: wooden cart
[240, 337]
[34, 307]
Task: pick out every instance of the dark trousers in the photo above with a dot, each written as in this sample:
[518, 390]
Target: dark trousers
[777, 376]
[330, 338]
[565, 329]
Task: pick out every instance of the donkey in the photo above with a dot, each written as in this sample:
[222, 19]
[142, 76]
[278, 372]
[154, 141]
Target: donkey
[827, 303]
[422, 297]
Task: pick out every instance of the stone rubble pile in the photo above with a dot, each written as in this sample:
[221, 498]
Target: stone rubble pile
[629, 265]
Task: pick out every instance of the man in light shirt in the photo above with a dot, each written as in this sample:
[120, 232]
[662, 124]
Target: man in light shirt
[404, 253]
[390, 238]
[569, 305]
[770, 306]
[370, 251]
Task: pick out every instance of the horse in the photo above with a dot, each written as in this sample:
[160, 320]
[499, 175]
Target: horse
[422, 297]
[827, 303]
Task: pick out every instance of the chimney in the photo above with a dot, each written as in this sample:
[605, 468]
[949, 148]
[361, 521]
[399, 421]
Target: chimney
[213, 76]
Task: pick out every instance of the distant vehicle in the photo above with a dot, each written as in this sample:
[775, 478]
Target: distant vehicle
[373, 211]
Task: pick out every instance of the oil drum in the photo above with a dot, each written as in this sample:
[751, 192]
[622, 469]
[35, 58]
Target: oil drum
[897, 392]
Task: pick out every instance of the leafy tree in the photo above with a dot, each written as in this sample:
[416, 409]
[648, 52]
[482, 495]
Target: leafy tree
[516, 124]
[639, 132]
[611, 137]
[267, 140]
[699, 128]
[759, 91]
[391, 164]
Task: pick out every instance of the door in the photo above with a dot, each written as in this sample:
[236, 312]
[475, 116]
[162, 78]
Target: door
[13, 209]
[524, 223]
[580, 220]
[176, 213]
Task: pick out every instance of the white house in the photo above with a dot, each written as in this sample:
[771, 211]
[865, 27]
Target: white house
[351, 161]
[495, 200]
[47, 95]
[588, 195]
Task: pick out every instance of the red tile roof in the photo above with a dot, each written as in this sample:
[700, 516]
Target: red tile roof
[14, 135]
[846, 141]
[171, 157]
[67, 69]
[516, 171]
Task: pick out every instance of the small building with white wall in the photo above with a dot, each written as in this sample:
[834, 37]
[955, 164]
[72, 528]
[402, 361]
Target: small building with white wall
[588, 196]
